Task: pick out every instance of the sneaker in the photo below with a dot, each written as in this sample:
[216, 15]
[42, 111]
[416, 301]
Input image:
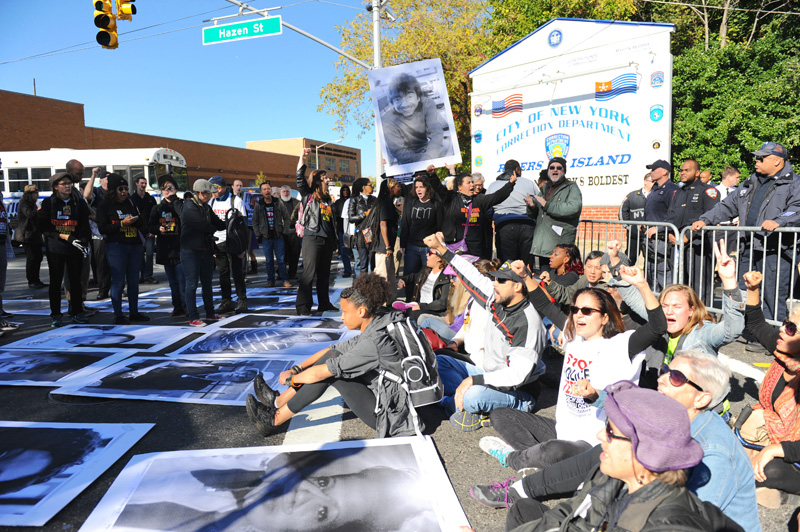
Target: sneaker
[226, 306]
[6, 326]
[88, 311]
[101, 296]
[214, 317]
[497, 495]
[261, 415]
[347, 274]
[264, 393]
[494, 446]
[467, 421]
[56, 323]
[5, 315]
[121, 320]
[197, 323]
[79, 319]
[241, 305]
[37, 285]
[178, 312]
[525, 471]
[287, 284]
[150, 280]
[139, 317]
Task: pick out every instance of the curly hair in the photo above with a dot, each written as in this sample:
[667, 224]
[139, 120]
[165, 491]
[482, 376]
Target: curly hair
[370, 291]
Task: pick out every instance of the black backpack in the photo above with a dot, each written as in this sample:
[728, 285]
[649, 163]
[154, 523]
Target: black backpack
[414, 371]
[368, 230]
[237, 236]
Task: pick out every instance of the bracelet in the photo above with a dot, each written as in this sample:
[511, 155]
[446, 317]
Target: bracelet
[292, 384]
[297, 368]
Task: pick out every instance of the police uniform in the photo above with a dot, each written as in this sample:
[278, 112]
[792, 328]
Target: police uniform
[632, 210]
[656, 209]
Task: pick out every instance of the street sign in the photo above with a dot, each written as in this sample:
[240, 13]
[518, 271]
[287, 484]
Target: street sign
[238, 31]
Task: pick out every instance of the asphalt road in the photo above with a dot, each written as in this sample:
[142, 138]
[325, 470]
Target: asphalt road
[190, 426]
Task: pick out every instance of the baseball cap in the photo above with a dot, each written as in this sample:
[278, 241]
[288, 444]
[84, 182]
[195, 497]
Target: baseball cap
[30, 188]
[202, 185]
[505, 272]
[218, 180]
[661, 163]
[771, 148]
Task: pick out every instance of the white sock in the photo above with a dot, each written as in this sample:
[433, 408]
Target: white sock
[517, 487]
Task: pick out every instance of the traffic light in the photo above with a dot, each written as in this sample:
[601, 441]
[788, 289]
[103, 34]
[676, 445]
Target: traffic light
[125, 9]
[105, 20]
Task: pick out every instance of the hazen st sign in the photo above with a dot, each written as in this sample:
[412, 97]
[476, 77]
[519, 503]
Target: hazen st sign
[238, 31]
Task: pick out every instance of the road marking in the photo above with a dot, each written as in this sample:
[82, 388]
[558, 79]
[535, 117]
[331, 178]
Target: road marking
[320, 422]
[762, 364]
[742, 368]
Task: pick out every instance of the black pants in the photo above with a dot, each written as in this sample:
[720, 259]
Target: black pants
[317, 255]
[292, 245]
[514, 241]
[102, 272]
[781, 476]
[33, 261]
[355, 393]
[563, 478]
[534, 439]
[524, 511]
[57, 263]
[776, 263]
[228, 264]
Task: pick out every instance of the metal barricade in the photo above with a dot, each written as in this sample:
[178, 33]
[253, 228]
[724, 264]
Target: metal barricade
[773, 253]
[660, 261]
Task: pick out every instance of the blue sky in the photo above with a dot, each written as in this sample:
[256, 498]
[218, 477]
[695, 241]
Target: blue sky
[171, 85]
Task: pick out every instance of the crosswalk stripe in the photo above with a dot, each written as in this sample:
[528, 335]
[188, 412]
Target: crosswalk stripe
[320, 422]
[742, 368]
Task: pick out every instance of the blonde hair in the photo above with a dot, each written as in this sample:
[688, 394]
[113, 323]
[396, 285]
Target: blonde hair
[699, 312]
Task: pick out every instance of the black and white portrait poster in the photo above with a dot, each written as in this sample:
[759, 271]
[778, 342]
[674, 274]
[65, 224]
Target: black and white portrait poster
[52, 368]
[105, 337]
[265, 342]
[208, 380]
[246, 321]
[43, 466]
[415, 122]
[374, 485]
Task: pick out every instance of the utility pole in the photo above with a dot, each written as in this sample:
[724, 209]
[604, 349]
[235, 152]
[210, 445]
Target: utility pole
[376, 63]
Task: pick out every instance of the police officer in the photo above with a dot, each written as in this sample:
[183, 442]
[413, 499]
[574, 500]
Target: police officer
[689, 203]
[656, 209]
[632, 209]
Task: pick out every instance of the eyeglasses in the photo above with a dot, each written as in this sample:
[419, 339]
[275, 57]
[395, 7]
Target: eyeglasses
[611, 436]
[170, 188]
[790, 327]
[586, 311]
[554, 167]
[677, 378]
[123, 188]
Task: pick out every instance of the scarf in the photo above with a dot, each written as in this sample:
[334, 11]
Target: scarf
[783, 418]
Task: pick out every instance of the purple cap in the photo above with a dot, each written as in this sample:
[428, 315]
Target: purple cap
[771, 148]
[661, 163]
[657, 425]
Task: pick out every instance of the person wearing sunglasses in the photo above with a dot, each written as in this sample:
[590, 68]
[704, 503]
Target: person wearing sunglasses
[557, 211]
[430, 289]
[775, 420]
[165, 224]
[119, 221]
[597, 347]
[646, 454]
[769, 199]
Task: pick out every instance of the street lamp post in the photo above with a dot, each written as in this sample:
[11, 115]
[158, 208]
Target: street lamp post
[316, 151]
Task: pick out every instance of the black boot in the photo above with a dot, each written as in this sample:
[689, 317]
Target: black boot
[262, 416]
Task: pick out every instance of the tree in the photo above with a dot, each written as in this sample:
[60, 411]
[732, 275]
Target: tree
[452, 30]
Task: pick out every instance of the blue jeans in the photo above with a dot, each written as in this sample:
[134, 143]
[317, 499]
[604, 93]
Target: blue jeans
[479, 399]
[198, 265]
[440, 327]
[345, 255]
[415, 259]
[269, 247]
[177, 284]
[125, 261]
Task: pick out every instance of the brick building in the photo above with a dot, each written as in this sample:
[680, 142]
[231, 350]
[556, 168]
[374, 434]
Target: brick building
[35, 123]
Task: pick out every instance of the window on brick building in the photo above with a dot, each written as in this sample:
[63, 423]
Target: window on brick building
[344, 166]
[330, 164]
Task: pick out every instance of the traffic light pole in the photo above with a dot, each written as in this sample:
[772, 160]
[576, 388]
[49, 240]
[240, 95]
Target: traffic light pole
[376, 56]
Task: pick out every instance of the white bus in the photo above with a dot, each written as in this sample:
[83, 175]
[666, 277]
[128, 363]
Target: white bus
[20, 168]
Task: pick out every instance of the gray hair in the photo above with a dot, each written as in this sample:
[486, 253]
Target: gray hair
[709, 373]
[477, 176]
[286, 187]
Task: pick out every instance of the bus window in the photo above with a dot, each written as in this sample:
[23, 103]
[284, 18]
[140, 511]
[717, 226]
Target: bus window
[136, 173]
[17, 179]
[180, 175]
[39, 177]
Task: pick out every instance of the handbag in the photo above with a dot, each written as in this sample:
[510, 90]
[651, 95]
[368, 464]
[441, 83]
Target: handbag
[461, 245]
[299, 225]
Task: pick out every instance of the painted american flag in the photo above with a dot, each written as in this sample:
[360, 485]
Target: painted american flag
[608, 90]
[511, 104]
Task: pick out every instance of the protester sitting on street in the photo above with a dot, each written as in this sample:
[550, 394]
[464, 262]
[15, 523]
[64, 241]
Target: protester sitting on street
[430, 289]
[597, 347]
[65, 227]
[319, 239]
[198, 225]
[351, 367]
[689, 324]
[647, 452]
[775, 420]
[119, 221]
[269, 219]
[566, 266]
[28, 234]
[165, 224]
[724, 478]
[513, 344]
[592, 278]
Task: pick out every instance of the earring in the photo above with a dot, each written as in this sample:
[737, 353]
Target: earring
[640, 480]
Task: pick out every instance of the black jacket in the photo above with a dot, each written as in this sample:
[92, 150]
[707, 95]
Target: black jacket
[690, 202]
[145, 205]
[198, 225]
[109, 222]
[168, 244]
[58, 217]
[441, 291]
[359, 205]
[260, 223]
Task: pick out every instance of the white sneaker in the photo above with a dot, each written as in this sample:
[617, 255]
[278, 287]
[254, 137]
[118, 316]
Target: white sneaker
[494, 446]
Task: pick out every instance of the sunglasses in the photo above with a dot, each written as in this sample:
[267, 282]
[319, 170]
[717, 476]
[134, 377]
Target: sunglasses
[611, 436]
[677, 378]
[586, 311]
[790, 327]
[760, 158]
[170, 188]
[554, 167]
[122, 189]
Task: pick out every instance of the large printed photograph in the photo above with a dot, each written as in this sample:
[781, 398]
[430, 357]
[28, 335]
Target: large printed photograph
[370, 486]
[265, 342]
[415, 122]
[105, 337]
[51, 368]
